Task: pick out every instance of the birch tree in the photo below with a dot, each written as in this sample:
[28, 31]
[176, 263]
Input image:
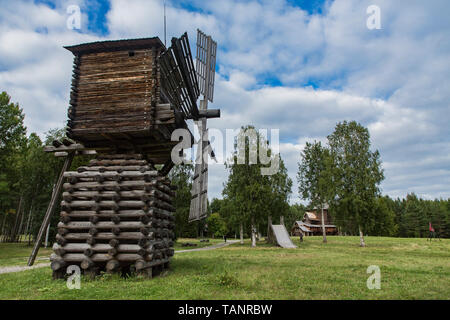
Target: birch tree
[247, 190]
[315, 177]
[357, 174]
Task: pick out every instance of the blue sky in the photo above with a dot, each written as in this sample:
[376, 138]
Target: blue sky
[297, 66]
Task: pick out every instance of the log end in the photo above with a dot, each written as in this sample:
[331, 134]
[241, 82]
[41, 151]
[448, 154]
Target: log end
[57, 265]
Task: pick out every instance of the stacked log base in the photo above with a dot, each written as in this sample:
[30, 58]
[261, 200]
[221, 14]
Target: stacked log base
[116, 216]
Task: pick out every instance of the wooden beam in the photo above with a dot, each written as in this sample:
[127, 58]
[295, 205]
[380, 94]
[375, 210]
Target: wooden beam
[51, 208]
[211, 113]
[167, 167]
[61, 147]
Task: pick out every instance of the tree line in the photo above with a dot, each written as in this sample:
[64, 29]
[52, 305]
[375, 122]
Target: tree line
[250, 199]
[344, 174]
[27, 175]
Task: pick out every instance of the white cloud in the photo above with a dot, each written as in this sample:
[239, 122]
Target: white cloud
[393, 80]
[35, 69]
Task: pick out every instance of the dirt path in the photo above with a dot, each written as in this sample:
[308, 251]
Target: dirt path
[215, 246]
[22, 268]
[41, 265]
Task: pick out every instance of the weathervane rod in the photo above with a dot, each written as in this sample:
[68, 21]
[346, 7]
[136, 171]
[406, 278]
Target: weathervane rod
[165, 32]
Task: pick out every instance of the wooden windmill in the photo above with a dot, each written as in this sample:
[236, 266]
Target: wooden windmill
[206, 65]
[127, 98]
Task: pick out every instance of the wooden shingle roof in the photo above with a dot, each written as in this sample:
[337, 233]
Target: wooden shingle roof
[311, 216]
[115, 45]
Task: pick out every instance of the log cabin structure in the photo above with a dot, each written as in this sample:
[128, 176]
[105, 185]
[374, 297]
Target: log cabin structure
[127, 97]
[311, 224]
[116, 215]
[119, 100]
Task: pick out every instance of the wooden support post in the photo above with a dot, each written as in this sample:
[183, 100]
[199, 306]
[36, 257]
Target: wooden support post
[91, 273]
[156, 270]
[59, 274]
[51, 208]
[112, 266]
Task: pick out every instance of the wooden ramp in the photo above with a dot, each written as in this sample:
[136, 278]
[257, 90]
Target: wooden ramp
[281, 236]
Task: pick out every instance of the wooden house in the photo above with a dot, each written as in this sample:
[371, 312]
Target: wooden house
[311, 224]
[118, 99]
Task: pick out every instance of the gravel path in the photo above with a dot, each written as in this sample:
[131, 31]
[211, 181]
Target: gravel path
[41, 265]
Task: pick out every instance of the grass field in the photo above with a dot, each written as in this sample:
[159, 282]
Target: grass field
[410, 269]
[17, 254]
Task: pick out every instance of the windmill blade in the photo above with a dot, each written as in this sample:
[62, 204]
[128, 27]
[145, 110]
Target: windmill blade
[199, 192]
[205, 68]
[206, 64]
[204, 137]
[211, 151]
[179, 78]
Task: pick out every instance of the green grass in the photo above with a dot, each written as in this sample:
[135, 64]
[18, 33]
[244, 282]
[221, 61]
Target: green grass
[410, 269]
[17, 254]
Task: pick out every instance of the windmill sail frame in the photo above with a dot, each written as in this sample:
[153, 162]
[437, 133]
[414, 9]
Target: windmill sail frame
[205, 67]
[206, 55]
[178, 77]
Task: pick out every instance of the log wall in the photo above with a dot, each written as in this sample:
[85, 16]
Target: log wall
[117, 216]
[112, 91]
[116, 101]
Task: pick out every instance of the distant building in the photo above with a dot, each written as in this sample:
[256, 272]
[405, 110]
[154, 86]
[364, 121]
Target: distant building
[311, 223]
